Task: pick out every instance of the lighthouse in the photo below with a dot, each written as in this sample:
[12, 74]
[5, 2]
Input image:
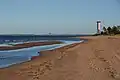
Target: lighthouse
[98, 27]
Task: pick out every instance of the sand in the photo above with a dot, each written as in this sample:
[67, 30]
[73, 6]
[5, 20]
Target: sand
[97, 59]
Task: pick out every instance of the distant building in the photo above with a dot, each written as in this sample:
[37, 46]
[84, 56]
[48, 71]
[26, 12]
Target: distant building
[99, 27]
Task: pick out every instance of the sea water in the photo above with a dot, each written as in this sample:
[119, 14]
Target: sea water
[10, 57]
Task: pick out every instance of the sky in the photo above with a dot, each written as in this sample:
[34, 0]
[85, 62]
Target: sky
[56, 16]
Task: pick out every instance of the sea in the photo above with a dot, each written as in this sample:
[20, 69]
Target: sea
[12, 57]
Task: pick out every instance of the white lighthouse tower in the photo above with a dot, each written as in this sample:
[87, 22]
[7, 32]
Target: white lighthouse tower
[99, 27]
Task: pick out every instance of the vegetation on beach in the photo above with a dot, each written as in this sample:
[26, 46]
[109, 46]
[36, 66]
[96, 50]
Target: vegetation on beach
[111, 30]
[114, 30]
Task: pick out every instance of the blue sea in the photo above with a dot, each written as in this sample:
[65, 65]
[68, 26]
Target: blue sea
[11, 57]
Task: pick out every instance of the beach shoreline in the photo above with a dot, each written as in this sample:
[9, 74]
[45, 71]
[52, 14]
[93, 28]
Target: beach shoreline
[28, 45]
[41, 53]
[96, 59]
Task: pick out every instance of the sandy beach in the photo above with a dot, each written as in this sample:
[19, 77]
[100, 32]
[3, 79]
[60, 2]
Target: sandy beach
[96, 59]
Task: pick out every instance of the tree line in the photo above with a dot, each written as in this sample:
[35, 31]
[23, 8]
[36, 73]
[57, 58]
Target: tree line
[111, 30]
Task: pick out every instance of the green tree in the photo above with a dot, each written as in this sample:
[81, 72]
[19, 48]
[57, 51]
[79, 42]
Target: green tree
[104, 30]
[102, 33]
[115, 30]
[109, 30]
[118, 27]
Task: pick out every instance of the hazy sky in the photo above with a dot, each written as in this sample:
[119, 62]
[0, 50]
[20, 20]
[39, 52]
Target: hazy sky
[56, 16]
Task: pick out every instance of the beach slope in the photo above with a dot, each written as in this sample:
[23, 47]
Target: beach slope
[97, 59]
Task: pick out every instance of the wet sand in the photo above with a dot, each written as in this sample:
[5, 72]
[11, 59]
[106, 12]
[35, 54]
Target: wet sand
[97, 59]
[27, 45]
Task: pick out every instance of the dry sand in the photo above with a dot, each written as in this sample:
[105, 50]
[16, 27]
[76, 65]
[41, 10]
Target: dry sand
[97, 59]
